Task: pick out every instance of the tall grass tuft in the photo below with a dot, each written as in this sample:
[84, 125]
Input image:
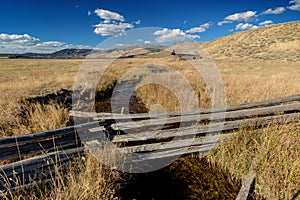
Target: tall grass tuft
[275, 152]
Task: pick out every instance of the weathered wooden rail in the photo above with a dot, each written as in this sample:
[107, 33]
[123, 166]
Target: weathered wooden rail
[35, 157]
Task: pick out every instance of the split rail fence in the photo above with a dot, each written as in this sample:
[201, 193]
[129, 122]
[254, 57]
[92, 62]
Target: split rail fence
[34, 158]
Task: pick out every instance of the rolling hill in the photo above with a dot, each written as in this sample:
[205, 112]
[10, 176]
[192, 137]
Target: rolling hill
[281, 41]
[275, 42]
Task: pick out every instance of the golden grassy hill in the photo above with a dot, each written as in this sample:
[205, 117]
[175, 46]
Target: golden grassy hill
[281, 41]
[137, 51]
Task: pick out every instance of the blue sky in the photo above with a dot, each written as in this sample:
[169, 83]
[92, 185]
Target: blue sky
[49, 25]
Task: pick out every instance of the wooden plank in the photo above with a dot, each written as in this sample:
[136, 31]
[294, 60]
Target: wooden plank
[24, 149]
[116, 116]
[245, 189]
[46, 135]
[30, 138]
[174, 144]
[129, 126]
[36, 168]
[201, 149]
[205, 129]
[37, 143]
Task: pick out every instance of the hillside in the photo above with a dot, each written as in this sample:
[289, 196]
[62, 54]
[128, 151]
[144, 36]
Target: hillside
[281, 41]
[276, 42]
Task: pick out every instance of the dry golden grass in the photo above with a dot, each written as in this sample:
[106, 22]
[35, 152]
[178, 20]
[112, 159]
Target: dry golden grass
[21, 79]
[249, 81]
[269, 43]
[86, 178]
[203, 179]
[285, 46]
[244, 81]
[275, 152]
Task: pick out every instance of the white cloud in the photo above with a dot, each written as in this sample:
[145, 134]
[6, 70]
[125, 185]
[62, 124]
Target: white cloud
[224, 22]
[239, 17]
[185, 21]
[109, 16]
[138, 22]
[51, 44]
[200, 29]
[295, 5]
[147, 42]
[266, 23]
[170, 35]
[120, 45]
[276, 11]
[89, 13]
[140, 40]
[118, 29]
[23, 43]
[18, 39]
[245, 26]
[243, 16]
[113, 24]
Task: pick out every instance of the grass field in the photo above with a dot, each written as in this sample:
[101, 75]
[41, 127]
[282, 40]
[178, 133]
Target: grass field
[275, 148]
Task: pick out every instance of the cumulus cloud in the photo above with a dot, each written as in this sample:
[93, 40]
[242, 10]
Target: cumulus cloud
[276, 11]
[109, 16]
[170, 35]
[266, 23]
[138, 22]
[200, 29]
[147, 42]
[19, 39]
[224, 22]
[245, 26]
[113, 24]
[104, 29]
[295, 5]
[243, 16]
[51, 44]
[23, 43]
[239, 17]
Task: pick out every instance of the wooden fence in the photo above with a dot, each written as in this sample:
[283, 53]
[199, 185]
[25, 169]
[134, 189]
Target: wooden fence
[37, 156]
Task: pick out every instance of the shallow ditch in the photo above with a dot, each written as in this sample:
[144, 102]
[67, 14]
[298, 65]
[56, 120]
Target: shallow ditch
[188, 178]
[181, 181]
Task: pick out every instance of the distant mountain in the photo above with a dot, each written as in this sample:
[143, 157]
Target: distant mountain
[65, 53]
[123, 51]
[281, 41]
[71, 53]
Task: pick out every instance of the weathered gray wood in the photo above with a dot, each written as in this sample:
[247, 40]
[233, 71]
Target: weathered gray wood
[36, 168]
[116, 116]
[174, 144]
[37, 143]
[244, 191]
[46, 135]
[30, 138]
[201, 149]
[45, 141]
[205, 129]
[40, 167]
[24, 149]
[126, 126]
